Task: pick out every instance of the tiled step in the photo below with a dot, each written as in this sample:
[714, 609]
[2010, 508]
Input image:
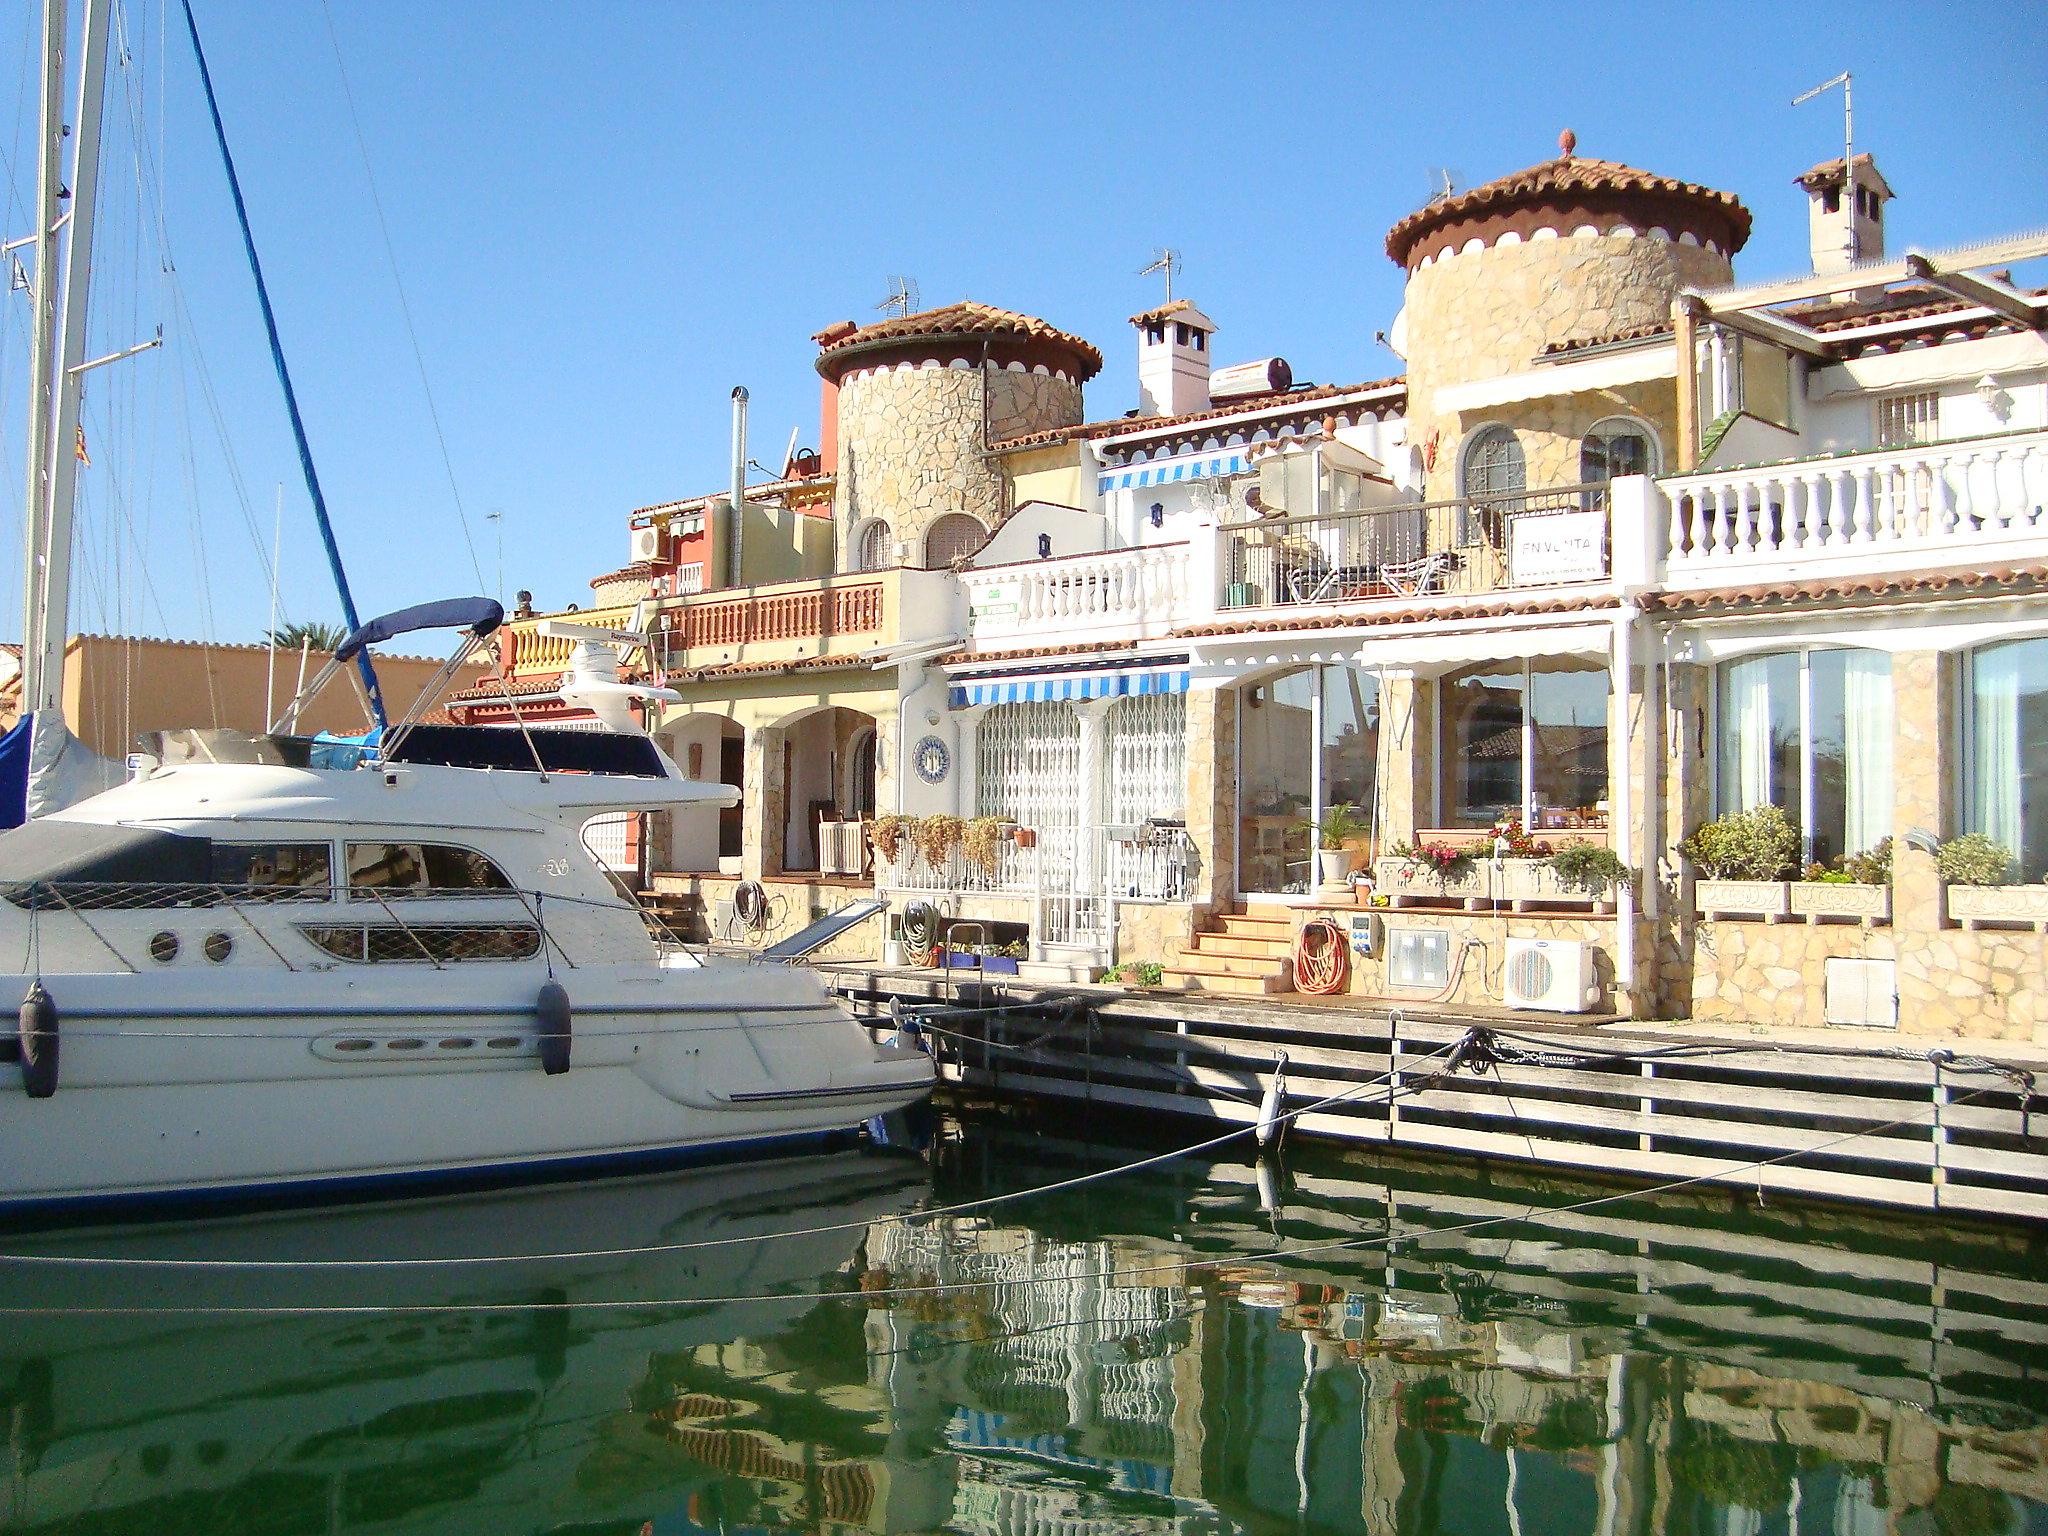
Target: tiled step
[1249, 986]
[1238, 944]
[1243, 926]
[1199, 962]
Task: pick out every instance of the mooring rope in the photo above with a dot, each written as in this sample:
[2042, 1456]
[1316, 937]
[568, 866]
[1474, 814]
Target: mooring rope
[1112, 1274]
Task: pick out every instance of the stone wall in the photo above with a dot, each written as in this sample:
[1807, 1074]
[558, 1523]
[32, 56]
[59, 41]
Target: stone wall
[1479, 314]
[1151, 931]
[911, 444]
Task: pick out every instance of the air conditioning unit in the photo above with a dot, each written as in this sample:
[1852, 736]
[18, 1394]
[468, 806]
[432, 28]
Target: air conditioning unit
[1863, 992]
[1419, 958]
[648, 542]
[1555, 975]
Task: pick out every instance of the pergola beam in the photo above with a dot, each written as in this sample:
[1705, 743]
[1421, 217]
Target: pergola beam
[1986, 292]
[1764, 326]
[1986, 253]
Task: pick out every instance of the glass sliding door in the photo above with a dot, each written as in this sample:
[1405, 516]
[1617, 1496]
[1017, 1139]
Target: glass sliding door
[1526, 739]
[1479, 753]
[2005, 778]
[1348, 739]
[1567, 746]
[1307, 740]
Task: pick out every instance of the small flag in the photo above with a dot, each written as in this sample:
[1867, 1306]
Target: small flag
[78, 448]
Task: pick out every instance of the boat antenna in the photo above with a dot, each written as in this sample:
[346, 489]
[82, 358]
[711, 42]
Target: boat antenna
[284, 377]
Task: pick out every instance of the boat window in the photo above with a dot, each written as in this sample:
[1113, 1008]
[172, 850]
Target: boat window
[420, 869]
[425, 941]
[275, 871]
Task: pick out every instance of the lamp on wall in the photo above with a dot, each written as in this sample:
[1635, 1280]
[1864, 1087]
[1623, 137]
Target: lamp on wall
[1920, 840]
[1045, 546]
[1995, 399]
[1158, 514]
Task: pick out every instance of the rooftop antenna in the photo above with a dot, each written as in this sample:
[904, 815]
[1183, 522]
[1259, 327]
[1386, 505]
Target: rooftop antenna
[1848, 147]
[903, 299]
[1164, 260]
[1442, 182]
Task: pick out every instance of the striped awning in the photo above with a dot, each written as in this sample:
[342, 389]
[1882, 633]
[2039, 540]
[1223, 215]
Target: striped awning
[1164, 473]
[1130, 682]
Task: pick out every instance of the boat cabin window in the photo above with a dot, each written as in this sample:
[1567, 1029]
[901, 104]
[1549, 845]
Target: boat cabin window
[275, 871]
[419, 869]
[372, 942]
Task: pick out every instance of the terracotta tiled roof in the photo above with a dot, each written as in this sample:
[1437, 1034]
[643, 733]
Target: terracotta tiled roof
[1032, 652]
[1171, 307]
[1586, 343]
[1985, 580]
[1251, 405]
[1829, 172]
[641, 569]
[1563, 179]
[520, 687]
[1387, 613]
[821, 482]
[967, 318]
[754, 668]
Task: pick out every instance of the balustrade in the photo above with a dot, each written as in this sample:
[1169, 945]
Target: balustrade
[1132, 591]
[1908, 502]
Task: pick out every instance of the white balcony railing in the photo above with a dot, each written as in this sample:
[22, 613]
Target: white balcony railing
[1893, 508]
[1119, 863]
[1121, 594]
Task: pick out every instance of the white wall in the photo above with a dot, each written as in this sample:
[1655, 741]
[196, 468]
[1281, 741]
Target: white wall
[1072, 530]
[693, 831]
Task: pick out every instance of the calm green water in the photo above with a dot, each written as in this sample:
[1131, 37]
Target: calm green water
[1141, 1364]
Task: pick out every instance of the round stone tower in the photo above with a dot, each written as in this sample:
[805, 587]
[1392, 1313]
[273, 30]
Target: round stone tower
[918, 400]
[1546, 262]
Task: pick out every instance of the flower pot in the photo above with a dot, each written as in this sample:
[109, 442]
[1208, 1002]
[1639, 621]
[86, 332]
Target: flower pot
[1974, 904]
[1025, 837]
[1334, 865]
[1816, 899]
[1741, 898]
[892, 951]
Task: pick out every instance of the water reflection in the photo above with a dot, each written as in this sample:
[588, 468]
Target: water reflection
[1127, 1358]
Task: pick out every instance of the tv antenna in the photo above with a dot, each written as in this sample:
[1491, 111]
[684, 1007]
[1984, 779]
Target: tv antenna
[1848, 145]
[903, 299]
[1164, 260]
[1442, 183]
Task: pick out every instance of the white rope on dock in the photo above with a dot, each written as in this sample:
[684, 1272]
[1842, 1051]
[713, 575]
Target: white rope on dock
[1110, 1275]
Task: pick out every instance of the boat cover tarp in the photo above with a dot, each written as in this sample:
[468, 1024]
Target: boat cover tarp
[483, 746]
[478, 615]
[84, 851]
[14, 747]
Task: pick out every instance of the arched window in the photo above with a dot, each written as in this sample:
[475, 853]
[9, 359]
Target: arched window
[1810, 731]
[871, 547]
[1616, 447]
[1493, 463]
[2005, 750]
[954, 536]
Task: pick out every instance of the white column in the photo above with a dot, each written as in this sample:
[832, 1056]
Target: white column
[967, 764]
[1621, 757]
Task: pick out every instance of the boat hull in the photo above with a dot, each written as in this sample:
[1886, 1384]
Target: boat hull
[309, 1085]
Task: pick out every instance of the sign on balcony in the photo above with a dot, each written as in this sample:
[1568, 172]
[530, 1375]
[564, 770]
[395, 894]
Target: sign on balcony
[1558, 547]
[995, 600]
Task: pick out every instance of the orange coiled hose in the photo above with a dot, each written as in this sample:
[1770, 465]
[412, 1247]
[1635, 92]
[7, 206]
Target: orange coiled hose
[1322, 958]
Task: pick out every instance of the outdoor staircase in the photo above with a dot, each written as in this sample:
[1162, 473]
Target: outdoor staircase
[1242, 954]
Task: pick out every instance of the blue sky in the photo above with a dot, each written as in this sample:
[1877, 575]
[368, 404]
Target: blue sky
[607, 214]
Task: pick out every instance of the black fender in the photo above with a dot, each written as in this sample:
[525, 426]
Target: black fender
[37, 1031]
[552, 1006]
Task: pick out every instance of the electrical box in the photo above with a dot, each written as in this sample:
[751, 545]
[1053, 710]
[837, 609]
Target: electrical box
[1419, 958]
[1365, 935]
[1864, 993]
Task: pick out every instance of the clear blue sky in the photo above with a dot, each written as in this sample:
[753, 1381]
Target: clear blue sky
[608, 214]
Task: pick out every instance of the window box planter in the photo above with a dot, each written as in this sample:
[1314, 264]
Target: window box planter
[1767, 899]
[1973, 905]
[1522, 883]
[1816, 900]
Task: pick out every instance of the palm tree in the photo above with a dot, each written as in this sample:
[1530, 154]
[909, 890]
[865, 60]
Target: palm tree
[307, 632]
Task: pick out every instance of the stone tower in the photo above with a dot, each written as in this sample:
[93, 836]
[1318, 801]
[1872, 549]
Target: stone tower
[917, 401]
[1567, 252]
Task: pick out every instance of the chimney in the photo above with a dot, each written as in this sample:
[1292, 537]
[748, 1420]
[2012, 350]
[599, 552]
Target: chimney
[1845, 214]
[1173, 359]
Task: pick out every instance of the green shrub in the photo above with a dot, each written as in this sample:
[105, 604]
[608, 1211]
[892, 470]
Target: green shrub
[1341, 824]
[1974, 859]
[1589, 867]
[1140, 973]
[1762, 844]
[1871, 867]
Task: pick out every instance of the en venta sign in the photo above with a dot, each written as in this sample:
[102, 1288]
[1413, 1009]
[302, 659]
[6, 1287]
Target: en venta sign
[1557, 547]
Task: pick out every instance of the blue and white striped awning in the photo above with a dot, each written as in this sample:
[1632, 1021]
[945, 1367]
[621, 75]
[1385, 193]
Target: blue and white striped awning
[1166, 472]
[1128, 683]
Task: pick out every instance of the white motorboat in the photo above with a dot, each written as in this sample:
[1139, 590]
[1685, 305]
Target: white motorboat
[275, 964]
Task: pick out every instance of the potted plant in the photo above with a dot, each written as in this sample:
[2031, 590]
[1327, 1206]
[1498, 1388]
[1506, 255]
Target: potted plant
[1978, 872]
[1859, 886]
[887, 834]
[1024, 837]
[1140, 974]
[1743, 859]
[1592, 868]
[936, 837]
[1340, 826]
[981, 840]
[1450, 868]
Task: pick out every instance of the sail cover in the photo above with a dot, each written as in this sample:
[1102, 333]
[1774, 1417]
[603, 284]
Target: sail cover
[478, 615]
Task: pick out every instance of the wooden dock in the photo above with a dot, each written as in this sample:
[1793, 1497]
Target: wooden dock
[1920, 1125]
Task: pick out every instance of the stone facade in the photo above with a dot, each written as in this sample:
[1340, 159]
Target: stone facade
[913, 443]
[1479, 314]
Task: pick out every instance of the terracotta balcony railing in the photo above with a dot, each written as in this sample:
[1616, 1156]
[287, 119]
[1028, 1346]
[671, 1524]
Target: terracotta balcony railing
[805, 611]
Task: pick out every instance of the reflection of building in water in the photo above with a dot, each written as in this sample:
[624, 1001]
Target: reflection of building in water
[1445, 1400]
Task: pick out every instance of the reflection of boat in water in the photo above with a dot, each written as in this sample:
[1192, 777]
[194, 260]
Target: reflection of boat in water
[488, 1403]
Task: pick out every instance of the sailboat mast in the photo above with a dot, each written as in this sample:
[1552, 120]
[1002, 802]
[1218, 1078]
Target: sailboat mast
[43, 351]
[70, 380]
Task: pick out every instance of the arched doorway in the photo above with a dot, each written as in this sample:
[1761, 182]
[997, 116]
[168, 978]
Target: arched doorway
[954, 536]
[826, 758]
[712, 750]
